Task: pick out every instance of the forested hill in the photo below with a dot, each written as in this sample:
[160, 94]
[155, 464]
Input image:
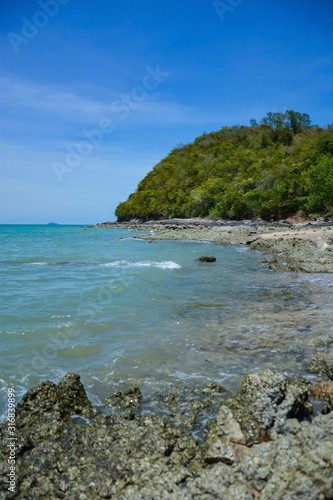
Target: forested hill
[274, 169]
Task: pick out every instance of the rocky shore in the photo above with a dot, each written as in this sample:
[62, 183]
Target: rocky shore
[273, 439]
[265, 442]
[290, 245]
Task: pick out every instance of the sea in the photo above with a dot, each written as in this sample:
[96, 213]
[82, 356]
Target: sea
[118, 310]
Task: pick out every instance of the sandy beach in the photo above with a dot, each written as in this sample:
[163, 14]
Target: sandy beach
[290, 245]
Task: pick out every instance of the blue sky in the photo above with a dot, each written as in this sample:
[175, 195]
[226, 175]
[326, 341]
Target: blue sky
[95, 93]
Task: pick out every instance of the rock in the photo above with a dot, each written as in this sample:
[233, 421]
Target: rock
[225, 439]
[265, 401]
[73, 396]
[213, 388]
[51, 406]
[319, 366]
[41, 413]
[329, 407]
[295, 254]
[321, 390]
[298, 464]
[293, 466]
[291, 426]
[127, 401]
[108, 458]
[207, 258]
[147, 457]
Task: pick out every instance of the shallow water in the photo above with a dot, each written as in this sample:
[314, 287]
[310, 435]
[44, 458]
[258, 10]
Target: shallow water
[117, 310]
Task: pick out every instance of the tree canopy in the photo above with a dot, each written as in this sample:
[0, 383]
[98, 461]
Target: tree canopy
[274, 169]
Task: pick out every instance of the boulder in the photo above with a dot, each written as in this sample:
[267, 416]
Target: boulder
[51, 406]
[319, 366]
[225, 440]
[128, 401]
[73, 396]
[206, 258]
[295, 464]
[321, 390]
[264, 402]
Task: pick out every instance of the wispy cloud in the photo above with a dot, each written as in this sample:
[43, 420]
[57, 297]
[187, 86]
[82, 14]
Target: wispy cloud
[71, 106]
[48, 99]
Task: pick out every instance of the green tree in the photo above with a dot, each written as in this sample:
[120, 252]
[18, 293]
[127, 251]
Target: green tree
[269, 170]
[320, 186]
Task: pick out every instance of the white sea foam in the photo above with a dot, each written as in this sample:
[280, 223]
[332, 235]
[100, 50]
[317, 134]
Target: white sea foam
[187, 376]
[46, 263]
[166, 264]
[36, 263]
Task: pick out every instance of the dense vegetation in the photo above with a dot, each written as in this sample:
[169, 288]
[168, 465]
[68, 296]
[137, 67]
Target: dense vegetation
[280, 167]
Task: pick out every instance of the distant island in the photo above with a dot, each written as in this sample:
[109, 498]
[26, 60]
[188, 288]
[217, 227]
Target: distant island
[274, 169]
[52, 224]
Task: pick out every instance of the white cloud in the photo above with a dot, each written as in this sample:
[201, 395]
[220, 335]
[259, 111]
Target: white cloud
[48, 99]
[65, 104]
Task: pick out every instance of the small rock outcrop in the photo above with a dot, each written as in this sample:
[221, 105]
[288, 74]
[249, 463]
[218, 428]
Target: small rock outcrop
[206, 258]
[319, 366]
[73, 396]
[225, 440]
[127, 401]
[51, 406]
[265, 401]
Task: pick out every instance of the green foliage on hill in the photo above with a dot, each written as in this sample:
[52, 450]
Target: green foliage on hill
[274, 169]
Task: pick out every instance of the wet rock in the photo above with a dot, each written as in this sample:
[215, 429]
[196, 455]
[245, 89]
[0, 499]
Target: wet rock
[319, 366]
[73, 396]
[149, 457]
[207, 258]
[105, 457]
[42, 405]
[213, 388]
[51, 406]
[298, 464]
[329, 407]
[265, 401]
[225, 440]
[128, 401]
[218, 481]
[188, 409]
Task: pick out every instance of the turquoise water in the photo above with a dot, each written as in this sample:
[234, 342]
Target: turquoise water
[116, 309]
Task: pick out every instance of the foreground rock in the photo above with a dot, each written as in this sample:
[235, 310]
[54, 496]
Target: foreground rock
[265, 401]
[296, 464]
[65, 449]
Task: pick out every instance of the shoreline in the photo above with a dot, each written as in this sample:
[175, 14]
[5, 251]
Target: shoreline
[290, 245]
[271, 438]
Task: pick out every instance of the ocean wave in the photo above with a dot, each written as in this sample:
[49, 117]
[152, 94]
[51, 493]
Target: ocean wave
[166, 264]
[36, 263]
[46, 263]
[187, 376]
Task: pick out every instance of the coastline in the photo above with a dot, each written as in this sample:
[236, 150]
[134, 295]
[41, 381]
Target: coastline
[290, 245]
[270, 438]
